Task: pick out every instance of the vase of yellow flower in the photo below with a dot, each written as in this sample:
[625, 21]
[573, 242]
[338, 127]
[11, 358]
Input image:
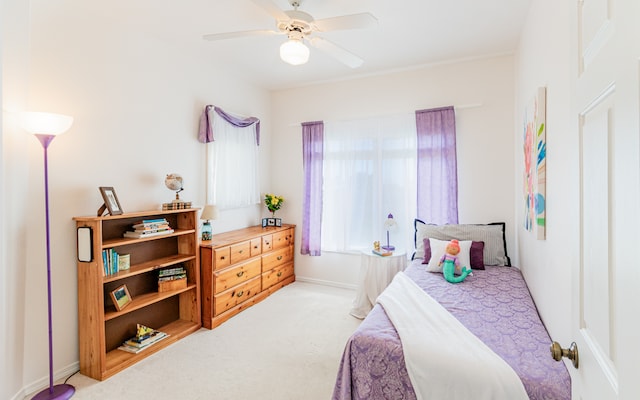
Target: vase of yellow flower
[273, 204]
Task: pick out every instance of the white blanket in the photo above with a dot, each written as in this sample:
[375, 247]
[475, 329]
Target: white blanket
[444, 360]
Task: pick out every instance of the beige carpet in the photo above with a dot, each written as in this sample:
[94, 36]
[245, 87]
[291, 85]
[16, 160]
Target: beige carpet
[286, 347]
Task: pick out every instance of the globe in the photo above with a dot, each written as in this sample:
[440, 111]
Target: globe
[174, 182]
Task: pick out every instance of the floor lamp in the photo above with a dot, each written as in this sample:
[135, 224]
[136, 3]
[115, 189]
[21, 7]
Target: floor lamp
[46, 126]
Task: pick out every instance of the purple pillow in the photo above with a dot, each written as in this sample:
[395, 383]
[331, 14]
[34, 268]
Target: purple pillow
[476, 254]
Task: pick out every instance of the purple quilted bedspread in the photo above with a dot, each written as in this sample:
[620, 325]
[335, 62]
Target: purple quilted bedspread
[494, 304]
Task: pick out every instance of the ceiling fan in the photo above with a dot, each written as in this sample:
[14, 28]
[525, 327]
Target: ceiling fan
[300, 27]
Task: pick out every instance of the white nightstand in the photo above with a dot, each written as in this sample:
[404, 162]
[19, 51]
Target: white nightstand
[376, 272]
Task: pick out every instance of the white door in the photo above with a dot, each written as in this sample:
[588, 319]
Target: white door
[607, 281]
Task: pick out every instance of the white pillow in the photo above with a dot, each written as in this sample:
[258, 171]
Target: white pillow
[438, 248]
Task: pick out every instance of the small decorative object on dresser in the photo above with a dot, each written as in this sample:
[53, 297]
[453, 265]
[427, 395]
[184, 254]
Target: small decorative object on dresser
[210, 212]
[273, 204]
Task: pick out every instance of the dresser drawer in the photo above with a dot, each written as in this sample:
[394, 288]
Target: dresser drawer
[275, 258]
[234, 296]
[256, 246]
[267, 243]
[281, 239]
[221, 257]
[235, 275]
[276, 275]
[240, 251]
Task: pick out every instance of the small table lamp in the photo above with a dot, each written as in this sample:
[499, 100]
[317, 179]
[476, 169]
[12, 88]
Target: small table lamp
[389, 225]
[210, 212]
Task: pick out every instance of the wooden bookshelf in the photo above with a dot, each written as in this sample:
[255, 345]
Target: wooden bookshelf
[101, 327]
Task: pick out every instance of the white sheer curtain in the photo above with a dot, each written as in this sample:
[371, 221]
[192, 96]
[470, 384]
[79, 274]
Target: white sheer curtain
[369, 172]
[232, 165]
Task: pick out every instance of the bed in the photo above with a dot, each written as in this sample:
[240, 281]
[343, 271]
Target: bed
[493, 303]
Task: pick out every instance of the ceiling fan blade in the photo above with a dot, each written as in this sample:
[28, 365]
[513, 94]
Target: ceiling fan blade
[342, 55]
[233, 35]
[270, 7]
[354, 21]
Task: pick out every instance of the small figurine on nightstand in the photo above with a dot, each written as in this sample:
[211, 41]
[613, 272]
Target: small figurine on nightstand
[380, 251]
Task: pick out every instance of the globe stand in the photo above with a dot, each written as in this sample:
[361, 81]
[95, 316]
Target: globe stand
[177, 199]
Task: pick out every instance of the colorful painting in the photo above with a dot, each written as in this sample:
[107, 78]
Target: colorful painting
[535, 164]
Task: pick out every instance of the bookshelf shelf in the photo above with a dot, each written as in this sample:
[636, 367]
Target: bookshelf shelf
[117, 360]
[110, 243]
[149, 266]
[102, 328]
[143, 301]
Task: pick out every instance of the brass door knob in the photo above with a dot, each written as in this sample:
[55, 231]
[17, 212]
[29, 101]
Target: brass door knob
[557, 352]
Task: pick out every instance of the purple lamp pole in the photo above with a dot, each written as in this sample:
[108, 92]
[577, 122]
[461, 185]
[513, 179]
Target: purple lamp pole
[46, 126]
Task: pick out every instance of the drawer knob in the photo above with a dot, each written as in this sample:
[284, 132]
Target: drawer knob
[240, 251]
[279, 258]
[222, 257]
[240, 293]
[279, 274]
[239, 274]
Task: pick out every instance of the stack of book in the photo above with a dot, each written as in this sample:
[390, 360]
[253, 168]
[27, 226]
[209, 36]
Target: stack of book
[172, 279]
[382, 253]
[144, 338]
[176, 205]
[149, 228]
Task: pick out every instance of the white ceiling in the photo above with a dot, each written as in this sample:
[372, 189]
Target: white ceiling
[410, 33]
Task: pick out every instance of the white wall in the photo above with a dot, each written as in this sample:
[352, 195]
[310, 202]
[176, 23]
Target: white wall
[544, 59]
[14, 47]
[485, 141]
[136, 102]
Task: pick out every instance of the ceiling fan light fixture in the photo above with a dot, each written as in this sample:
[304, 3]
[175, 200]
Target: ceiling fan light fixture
[294, 52]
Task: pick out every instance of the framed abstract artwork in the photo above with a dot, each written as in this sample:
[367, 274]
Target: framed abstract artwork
[535, 164]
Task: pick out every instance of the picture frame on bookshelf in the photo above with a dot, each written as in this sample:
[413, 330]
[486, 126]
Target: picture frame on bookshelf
[110, 201]
[121, 297]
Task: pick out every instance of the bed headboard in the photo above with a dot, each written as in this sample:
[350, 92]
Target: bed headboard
[492, 234]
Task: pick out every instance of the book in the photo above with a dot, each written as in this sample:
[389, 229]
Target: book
[139, 235]
[137, 349]
[110, 261]
[171, 271]
[382, 253]
[145, 227]
[154, 224]
[172, 277]
[176, 205]
[152, 221]
[146, 340]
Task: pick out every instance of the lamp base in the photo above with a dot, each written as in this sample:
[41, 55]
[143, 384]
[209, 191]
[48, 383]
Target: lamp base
[389, 248]
[59, 392]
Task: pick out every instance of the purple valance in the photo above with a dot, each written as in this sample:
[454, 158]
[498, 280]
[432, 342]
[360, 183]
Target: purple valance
[205, 134]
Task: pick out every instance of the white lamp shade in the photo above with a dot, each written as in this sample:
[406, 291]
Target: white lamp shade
[390, 224]
[294, 52]
[45, 123]
[210, 212]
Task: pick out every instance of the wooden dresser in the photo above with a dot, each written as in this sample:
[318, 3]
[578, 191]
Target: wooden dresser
[242, 267]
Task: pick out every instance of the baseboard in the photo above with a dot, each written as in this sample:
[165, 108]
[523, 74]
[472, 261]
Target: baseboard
[58, 377]
[325, 283]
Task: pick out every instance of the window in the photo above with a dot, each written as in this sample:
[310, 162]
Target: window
[369, 171]
[232, 165]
